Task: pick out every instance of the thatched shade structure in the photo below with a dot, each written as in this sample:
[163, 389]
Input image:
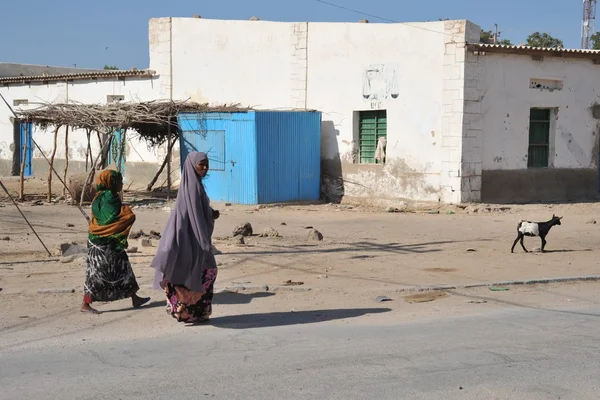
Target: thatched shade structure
[154, 121]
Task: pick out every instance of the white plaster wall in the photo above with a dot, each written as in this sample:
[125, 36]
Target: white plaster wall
[338, 55]
[507, 99]
[247, 62]
[283, 65]
[88, 92]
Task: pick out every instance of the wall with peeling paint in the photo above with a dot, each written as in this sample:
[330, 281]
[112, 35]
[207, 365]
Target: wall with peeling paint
[506, 99]
[414, 71]
[338, 56]
[142, 162]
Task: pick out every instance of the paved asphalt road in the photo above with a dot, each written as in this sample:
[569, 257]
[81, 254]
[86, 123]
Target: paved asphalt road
[510, 354]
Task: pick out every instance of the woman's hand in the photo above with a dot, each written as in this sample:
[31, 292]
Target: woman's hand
[216, 214]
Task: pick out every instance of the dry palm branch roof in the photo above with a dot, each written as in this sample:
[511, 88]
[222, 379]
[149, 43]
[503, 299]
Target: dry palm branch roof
[150, 119]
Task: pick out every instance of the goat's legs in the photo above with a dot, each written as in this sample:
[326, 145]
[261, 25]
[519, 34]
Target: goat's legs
[543, 243]
[515, 243]
[522, 244]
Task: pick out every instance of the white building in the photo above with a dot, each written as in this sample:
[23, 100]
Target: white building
[456, 114]
[85, 86]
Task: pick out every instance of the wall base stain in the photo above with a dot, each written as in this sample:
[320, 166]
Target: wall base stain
[542, 185]
[394, 180]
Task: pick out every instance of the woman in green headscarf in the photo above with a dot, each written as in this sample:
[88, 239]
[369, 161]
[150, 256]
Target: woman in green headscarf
[109, 276]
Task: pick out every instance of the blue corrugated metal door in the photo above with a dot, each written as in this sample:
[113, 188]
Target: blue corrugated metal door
[205, 133]
[228, 140]
[309, 185]
[26, 130]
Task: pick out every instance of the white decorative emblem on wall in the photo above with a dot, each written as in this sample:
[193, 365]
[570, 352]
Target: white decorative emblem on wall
[380, 82]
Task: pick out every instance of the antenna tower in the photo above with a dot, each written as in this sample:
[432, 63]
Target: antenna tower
[587, 22]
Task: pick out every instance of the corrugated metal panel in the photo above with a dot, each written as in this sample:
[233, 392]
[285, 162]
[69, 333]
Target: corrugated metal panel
[241, 159]
[289, 156]
[80, 76]
[229, 141]
[520, 49]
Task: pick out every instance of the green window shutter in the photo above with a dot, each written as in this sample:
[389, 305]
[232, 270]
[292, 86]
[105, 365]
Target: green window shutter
[538, 154]
[372, 126]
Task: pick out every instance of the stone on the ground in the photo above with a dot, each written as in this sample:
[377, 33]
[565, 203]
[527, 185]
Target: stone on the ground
[146, 242]
[315, 235]
[591, 221]
[136, 234]
[391, 209]
[216, 251]
[269, 232]
[244, 229]
[381, 299]
[6, 238]
[132, 250]
[470, 250]
[70, 226]
[70, 249]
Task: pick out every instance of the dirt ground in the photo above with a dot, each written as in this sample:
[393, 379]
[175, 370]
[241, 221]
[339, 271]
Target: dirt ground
[365, 253]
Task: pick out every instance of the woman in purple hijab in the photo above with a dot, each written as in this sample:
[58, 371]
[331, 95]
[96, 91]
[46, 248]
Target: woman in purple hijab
[185, 265]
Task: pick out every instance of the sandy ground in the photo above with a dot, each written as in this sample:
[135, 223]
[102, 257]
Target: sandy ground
[365, 253]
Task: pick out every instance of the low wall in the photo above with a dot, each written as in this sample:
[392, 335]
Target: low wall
[539, 185]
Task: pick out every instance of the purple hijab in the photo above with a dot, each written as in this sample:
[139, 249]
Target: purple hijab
[185, 250]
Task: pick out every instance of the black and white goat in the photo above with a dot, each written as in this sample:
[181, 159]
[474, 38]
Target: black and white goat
[532, 229]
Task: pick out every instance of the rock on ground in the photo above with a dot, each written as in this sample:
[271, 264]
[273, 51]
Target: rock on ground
[269, 232]
[244, 229]
[216, 251]
[315, 235]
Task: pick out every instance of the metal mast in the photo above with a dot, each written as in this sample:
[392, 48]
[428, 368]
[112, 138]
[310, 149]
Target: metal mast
[587, 22]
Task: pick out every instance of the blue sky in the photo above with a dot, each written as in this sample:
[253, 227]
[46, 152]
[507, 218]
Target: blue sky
[91, 34]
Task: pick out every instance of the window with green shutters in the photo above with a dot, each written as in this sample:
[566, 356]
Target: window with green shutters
[372, 125]
[539, 138]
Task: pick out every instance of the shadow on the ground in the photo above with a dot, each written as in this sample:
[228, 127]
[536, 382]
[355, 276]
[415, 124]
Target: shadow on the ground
[239, 298]
[566, 251]
[267, 320]
[363, 246]
[153, 304]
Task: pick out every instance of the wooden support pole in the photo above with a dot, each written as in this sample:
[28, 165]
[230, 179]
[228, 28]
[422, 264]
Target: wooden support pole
[51, 167]
[66, 158]
[24, 217]
[88, 151]
[162, 167]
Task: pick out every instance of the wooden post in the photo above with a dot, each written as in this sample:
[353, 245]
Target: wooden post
[88, 151]
[50, 170]
[160, 170]
[66, 157]
[23, 159]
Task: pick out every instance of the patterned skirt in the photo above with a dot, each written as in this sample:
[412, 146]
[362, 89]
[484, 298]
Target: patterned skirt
[187, 306]
[108, 275]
